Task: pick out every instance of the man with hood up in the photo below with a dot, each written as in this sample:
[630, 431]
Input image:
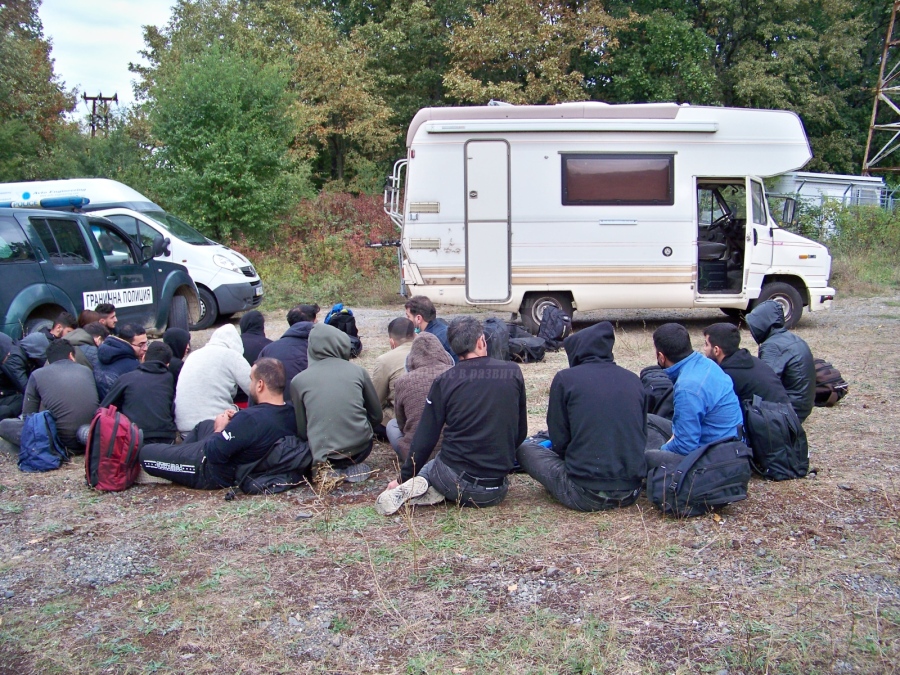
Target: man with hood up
[335, 403]
[210, 379]
[253, 335]
[86, 343]
[291, 348]
[119, 354]
[179, 341]
[785, 353]
[427, 359]
[597, 424]
[13, 377]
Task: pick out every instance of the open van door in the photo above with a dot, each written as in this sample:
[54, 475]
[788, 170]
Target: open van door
[487, 221]
[758, 254]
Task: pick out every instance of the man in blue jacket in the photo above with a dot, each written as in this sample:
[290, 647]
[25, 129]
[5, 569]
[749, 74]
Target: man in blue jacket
[706, 408]
[420, 310]
[291, 348]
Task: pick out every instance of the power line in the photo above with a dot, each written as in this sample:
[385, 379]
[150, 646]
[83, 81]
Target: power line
[104, 110]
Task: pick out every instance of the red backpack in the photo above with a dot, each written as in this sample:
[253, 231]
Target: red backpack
[111, 459]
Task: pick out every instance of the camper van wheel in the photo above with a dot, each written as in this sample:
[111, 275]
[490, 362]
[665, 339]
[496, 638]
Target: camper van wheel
[209, 310]
[534, 305]
[785, 295]
[178, 312]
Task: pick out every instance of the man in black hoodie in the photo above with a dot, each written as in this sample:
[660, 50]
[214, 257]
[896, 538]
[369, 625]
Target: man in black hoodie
[13, 377]
[253, 335]
[146, 396]
[291, 348]
[785, 353]
[748, 374]
[598, 429]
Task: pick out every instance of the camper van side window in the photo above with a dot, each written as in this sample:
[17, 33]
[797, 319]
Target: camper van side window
[618, 180]
[759, 203]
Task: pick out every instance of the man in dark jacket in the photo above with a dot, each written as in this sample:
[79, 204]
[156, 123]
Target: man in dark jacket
[64, 324]
[63, 387]
[479, 404]
[597, 424]
[253, 335]
[785, 353]
[291, 348]
[119, 354]
[87, 341]
[146, 396]
[420, 310]
[13, 377]
[179, 341]
[748, 374]
[214, 450]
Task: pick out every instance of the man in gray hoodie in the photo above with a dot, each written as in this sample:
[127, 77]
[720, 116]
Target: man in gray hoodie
[335, 404]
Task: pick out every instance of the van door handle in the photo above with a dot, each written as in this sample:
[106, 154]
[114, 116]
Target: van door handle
[755, 237]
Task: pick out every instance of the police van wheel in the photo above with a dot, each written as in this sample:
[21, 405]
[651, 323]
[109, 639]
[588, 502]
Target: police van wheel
[209, 310]
[785, 295]
[178, 312]
[534, 304]
[35, 324]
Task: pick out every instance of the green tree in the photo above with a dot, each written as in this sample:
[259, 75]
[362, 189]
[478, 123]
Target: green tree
[32, 99]
[222, 125]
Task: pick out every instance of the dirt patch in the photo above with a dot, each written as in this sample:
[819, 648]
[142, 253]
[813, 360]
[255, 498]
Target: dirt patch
[803, 577]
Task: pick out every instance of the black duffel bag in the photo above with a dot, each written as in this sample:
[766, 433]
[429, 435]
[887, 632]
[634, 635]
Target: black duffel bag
[283, 468]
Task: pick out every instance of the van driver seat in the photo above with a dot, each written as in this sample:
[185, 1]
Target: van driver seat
[710, 250]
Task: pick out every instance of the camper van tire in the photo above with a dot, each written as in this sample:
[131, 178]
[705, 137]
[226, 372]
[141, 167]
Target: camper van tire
[178, 312]
[785, 295]
[534, 304]
[209, 310]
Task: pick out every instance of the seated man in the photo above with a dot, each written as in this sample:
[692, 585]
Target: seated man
[13, 377]
[87, 316]
[119, 354]
[211, 453]
[108, 316]
[706, 409]
[479, 404]
[179, 341]
[420, 310]
[64, 324]
[291, 348]
[64, 388]
[335, 404]
[785, 353]
[749, 376]
[427, 359]
[390, 366]
[86, 342]
[146, 396]
[598, 428]
[210, 379]
[253, 335]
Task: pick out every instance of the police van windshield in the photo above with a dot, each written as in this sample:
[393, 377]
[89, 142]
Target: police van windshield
[179, 228]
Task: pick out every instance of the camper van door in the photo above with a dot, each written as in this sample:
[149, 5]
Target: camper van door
[759, 237]
[487, 201]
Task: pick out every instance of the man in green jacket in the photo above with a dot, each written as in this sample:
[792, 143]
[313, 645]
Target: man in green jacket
[336, 407]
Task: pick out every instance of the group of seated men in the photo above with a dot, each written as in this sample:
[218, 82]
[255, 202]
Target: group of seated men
[455, 417]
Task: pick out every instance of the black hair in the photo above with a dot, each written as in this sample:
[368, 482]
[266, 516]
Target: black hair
[129, 331]
[59, 350]
[271, 371]
[419, 305]
[725, 336]
[673, 340]
[96, 330]
[104, 309]
[66, 320]
[158, 351]
[401, 328]
[463, 334]
[302, 313]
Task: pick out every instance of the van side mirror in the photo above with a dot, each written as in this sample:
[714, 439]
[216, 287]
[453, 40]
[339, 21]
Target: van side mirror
[789, 211]
[159, 247]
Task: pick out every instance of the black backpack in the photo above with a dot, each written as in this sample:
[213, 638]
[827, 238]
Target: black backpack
[555, 326]
[342, 318]
[527, 350]
[774, 433]
[282, 469]
[710, 477]
[660, 392]
[496, 332]
[830, 386]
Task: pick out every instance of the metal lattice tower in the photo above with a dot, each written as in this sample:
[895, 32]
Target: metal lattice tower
[885, 125]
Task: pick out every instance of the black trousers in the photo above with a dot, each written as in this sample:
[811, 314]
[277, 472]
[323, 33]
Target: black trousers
[184, 464]
[466, 491]
[549, 469]
[11, 405]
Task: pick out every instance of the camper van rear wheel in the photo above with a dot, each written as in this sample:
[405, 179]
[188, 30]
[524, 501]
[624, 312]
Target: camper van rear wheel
[209, 310]
[534, 304]
[785, 295]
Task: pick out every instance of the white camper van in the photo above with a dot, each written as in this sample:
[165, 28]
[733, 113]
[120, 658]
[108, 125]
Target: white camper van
[226, 281]
[594, 206]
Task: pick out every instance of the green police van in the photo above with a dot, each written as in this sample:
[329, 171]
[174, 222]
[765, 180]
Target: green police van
[53, 261]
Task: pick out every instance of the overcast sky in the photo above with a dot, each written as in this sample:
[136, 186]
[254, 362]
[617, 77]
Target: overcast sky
[94, 40]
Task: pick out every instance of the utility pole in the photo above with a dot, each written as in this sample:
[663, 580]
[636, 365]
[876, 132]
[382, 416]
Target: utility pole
[103, 107]
[886, 91]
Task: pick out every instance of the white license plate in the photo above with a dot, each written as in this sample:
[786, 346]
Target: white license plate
[259, 290]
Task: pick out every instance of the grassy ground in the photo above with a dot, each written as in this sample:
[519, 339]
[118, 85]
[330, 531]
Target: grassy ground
[801, 578]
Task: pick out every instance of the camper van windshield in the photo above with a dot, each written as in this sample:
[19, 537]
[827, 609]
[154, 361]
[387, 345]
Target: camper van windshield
[179, 228]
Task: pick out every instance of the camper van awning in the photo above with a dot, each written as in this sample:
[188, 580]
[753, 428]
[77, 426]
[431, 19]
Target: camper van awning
[570, 125]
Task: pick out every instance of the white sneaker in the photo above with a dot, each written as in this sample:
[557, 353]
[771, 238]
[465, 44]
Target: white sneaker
[430, 498]
[390, 501]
